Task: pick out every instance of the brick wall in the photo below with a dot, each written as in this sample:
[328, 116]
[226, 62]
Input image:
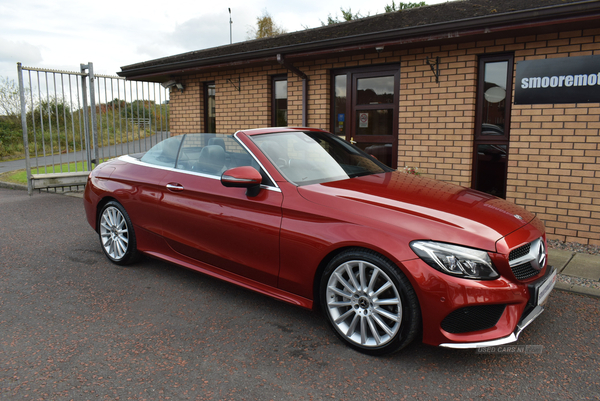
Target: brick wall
[554, 167]
[554, 153]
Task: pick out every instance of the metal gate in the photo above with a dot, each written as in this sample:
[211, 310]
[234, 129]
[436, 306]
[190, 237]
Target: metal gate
[73, 121]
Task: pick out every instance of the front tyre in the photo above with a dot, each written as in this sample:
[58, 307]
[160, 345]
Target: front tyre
[369, 302]
[116, 234]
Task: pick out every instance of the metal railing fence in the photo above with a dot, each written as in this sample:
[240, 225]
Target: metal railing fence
[74, 120]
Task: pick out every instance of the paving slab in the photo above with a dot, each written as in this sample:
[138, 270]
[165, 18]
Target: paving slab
[585, 266]
[559, 258]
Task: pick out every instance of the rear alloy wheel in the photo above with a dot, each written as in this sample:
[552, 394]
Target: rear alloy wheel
[116, 234]
[369, 302]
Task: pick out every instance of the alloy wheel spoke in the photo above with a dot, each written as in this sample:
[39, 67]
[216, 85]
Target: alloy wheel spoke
[346, 284]
[350, 273]
[373, 330]
[389, 301]
[384, 287]
[387, 314]
[339, 292]
[343, 317]
[382, 324]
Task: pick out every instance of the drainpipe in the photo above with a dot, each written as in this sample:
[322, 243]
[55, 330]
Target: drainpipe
[295, 71]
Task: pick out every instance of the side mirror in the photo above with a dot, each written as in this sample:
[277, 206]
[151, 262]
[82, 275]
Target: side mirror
[243, 177]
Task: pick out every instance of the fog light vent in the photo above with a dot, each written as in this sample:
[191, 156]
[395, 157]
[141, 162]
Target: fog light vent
[473, 318]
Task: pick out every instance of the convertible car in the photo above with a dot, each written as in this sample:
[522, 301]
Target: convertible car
[305, 217]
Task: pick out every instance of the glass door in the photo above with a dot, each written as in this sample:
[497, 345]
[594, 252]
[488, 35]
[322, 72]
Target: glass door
[366, 111]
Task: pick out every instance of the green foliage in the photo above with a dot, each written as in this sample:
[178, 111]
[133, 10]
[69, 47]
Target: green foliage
[54, 127]
[10, 100]
[403, 6]
[11, 137]
[347, 15]
[51, 113]
[265, 28]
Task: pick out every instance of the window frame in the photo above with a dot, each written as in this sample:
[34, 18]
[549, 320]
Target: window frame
[207, 117]
[274, 109]
[499, 140]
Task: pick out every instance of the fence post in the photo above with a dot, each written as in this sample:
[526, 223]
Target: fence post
[24, 126]
[94, 136]
[86, 122]
[94, 122]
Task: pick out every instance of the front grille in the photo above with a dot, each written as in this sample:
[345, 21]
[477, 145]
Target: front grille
[473, 318]
[519, 252]
[524, 271]
[528, 260]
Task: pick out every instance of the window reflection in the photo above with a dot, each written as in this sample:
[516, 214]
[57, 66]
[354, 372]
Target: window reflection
[374, 122]
[378, 90]
[492, 164]
[380, 151]
[211, 114]
[340, 104]
[280, 97]
[494, 98]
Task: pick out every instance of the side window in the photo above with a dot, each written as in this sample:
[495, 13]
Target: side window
[213, 154]
[164, 153]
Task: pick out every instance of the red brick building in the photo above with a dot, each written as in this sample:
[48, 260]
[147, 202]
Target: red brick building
[470, 92]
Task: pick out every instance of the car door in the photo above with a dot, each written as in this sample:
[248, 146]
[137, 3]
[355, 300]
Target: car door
[220, 226]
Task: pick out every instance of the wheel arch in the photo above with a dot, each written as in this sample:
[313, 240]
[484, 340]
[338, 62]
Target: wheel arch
[99, 206]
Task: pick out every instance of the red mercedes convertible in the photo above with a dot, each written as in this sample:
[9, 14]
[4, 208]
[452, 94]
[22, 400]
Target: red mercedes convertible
[305, 217]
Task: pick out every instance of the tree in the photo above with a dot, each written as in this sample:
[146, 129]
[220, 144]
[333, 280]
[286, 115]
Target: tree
[402, 6]
[10, 100]
[265, 28]
[347, 15]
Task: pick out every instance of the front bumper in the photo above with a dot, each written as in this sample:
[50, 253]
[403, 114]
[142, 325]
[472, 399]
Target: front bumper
[539, 293]
[460, 313]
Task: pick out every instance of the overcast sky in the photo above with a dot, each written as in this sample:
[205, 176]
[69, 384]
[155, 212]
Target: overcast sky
[62, 34]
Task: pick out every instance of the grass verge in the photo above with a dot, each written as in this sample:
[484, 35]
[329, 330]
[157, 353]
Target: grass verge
[20, 176]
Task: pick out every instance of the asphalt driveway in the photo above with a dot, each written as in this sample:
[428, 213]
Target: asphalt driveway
[74, 326]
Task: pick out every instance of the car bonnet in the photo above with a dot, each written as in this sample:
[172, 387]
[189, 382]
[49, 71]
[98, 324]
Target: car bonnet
[429, 209]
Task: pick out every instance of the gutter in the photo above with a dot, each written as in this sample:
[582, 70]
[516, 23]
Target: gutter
[551, 15]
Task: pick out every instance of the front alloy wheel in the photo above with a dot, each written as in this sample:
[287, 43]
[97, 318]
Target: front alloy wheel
[369, 302]
[116, 234]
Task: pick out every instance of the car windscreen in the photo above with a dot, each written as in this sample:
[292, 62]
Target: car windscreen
[315, 157]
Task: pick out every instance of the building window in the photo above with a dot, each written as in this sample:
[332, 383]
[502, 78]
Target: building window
[365, 110]
[279, 117]
[492, 124]
[210, 114]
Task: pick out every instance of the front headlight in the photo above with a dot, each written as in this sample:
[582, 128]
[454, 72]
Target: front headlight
[456, 260]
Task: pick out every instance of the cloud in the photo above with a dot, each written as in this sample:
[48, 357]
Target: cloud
[13, 52]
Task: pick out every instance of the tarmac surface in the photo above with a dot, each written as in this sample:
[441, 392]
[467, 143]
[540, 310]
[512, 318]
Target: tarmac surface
[77, 327]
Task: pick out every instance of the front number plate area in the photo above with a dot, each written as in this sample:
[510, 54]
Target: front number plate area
[546, 288]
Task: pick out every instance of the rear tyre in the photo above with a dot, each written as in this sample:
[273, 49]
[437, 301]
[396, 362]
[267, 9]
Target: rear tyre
[116, 233]
[369, 302]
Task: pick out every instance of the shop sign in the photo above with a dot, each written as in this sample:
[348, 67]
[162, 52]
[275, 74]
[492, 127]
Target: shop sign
[558, 80]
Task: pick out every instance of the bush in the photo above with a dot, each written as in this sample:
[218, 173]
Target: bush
[11, 136]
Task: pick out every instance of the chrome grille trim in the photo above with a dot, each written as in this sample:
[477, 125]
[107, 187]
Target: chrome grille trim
[528, 260]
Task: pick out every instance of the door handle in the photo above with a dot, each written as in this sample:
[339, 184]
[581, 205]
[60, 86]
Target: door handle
[174, 187]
